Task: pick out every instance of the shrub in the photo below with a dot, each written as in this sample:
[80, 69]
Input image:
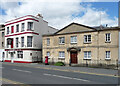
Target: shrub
[59, 64]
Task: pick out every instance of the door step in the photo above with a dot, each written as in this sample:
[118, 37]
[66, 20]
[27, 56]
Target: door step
[74, 65]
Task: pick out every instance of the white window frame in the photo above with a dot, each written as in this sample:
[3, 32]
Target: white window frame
[3, 55]
[87, 54]
[30, 26]
[8, 30]
[73, 39]
[87, 39]
[29, 41]
[20, 54]
[22, 41]
[17, 28]
[17, 42]
[3, 34]
[61, 40]
[108, 37]
[48, 41]
[108, 55]
[61, 54]
[2, 44]
[22, 27]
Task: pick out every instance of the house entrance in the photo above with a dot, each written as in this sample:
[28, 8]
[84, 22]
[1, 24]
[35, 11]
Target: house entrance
[73, 56]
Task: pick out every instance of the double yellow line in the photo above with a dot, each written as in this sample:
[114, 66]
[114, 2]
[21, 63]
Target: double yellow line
[7, 81]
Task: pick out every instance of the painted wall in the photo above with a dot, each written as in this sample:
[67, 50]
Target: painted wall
[40, 27]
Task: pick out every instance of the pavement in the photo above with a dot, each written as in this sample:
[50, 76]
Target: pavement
[47, 74]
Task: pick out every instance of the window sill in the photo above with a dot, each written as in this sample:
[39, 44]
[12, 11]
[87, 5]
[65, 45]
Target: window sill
[74, 43]
[61, 43]
[107, 59]
[61, 58]
[22, 30]
[29, 30]
[107, 41]
[86, 59]
[87, 42]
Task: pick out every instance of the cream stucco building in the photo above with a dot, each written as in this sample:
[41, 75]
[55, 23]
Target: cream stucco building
[83, 45]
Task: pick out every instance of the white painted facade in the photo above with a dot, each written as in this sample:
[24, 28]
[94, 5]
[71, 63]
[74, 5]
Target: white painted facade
[2, 38]
[1, 54]
[32, 53]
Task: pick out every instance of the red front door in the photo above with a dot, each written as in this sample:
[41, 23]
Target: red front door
[73, 56]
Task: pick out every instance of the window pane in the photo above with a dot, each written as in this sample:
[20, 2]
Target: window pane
[62, 54]
[108, 37]
[61, 40]
[73, 39]
[22, 42]
[30, 25]
[29, 41]
[87, 54]
[17, 28]
[87, 38]
[16, 42]
[7, 30]
[23, 26]
[2, 34]
[48, 41]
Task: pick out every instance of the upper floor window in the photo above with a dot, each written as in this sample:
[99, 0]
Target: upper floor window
[61, 40]
[17, 28]
[22, 41]
[61, 54]
[87, 54]
[87, 38]
[3, 34]
[23, 26]
[7, 30]
[73, 39]
[12, 29]
[16, 42]
[107, 55]
[29, 41]
[48, 41]
[108, 37]
[30, 25]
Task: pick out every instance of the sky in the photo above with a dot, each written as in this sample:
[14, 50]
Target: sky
[60, 13]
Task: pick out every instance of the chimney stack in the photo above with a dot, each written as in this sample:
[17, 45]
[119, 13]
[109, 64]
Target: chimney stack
[39, 15]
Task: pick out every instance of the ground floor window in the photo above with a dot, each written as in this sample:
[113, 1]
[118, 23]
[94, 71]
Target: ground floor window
[107, 55]
[61, 54]
[20, 54]
[87, 54]
[3, 54]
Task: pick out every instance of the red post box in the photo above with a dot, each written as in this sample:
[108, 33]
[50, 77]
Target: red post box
[46, 60]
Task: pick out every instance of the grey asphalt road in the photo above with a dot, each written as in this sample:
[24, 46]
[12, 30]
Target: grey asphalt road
[31, 75]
